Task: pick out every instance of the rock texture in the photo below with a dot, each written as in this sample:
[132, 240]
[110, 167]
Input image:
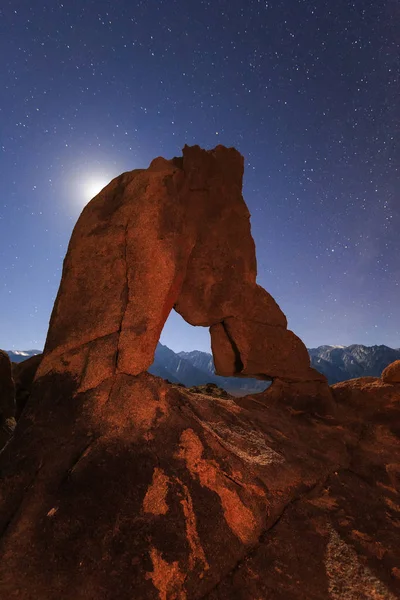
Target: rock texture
[139, 488]
[118, 485]
[7, 399]
[23, 375]
[392, 373]
[209, 389]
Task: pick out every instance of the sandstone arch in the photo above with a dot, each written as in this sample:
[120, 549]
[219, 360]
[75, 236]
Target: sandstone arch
[176, 235]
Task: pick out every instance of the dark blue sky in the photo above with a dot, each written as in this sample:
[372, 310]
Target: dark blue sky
[307, 91]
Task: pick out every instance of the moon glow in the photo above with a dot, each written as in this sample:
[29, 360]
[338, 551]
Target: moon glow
[93, 186]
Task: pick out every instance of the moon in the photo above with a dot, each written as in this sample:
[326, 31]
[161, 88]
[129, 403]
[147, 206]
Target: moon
[92, 186]
[84, 181]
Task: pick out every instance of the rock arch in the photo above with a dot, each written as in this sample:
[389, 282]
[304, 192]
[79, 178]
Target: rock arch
[175, 235]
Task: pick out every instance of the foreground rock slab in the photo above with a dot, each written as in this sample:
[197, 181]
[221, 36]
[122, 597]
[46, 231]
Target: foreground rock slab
[141, 489]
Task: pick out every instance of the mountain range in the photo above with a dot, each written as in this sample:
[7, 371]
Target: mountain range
[337, 363]
[197, 368]
[340, 363]
[17, 356]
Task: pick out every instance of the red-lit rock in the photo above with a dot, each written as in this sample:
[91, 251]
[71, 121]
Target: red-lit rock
[174, 235]
[139, 488]
[392, 373]
[7, 399]
[23, 375]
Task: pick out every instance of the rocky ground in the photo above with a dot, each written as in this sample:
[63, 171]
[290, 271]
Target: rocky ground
[115, 484]
[146, 489]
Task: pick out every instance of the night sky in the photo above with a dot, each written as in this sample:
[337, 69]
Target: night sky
[307, 91]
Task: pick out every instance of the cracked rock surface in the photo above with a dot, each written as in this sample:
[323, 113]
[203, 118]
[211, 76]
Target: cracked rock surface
[142, 489]
[117, 485]
[23, 374]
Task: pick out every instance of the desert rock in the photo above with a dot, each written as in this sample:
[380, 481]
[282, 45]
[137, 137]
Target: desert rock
[163, 238]
[392, 373]
[140, 488]
[23, 375]
[7, 399]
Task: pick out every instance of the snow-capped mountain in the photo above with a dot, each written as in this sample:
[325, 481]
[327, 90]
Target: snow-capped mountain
[339, 363]
[197, 368]
[171, 366]
[201, 360]
[18, 356]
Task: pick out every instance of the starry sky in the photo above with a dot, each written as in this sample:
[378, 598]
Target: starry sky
[307, 91]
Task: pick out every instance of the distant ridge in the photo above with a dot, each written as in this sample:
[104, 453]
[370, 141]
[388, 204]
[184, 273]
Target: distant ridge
[337, 363]
[18, 356]
[340, 363]
[197, 368]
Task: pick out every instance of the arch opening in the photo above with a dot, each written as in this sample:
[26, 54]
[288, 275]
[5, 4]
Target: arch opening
[183, 356]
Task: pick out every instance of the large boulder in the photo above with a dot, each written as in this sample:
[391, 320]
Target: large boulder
[141, 489]
[7, 399]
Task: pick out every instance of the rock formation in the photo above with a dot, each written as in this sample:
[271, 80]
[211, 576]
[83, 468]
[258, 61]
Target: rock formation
[7, 399]
[392, 373]
[118, 485]
[163, 238]
[23, 375]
